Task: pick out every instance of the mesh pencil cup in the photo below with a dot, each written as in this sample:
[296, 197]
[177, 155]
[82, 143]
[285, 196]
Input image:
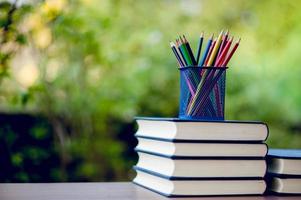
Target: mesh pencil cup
[202, 93]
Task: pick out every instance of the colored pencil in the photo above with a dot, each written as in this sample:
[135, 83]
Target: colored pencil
[181, 64]
[189, 50]
[226, 38]
[224, 64]
[224, 42]
[199, 47]
[185, 52]
[210, 52]
[224, 53]
[215, 49]
[173, 47]
[180, 53]
[202, 62]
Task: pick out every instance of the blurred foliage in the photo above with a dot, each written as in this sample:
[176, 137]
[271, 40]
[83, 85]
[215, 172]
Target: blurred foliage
[11, 37]
[90, 66]
[27, 150]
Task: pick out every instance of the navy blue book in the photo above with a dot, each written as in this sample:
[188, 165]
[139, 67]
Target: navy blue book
[198, 187]
[188, 167]
[283, 185]
[174, 129]
[284, 171]
[194, 149]
[285, 162]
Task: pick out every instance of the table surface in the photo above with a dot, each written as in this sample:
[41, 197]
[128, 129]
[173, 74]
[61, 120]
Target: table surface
[99, 191]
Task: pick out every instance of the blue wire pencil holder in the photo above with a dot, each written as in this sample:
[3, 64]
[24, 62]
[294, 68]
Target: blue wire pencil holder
[202, 93]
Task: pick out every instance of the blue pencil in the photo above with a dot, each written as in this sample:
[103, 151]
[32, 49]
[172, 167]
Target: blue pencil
[199, 48]
[206, 51]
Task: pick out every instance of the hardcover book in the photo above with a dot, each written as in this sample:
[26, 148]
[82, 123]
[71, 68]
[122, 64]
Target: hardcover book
[202, 187]
[284, 161]
[284, 171]
[201, 149]
[206, 167]
[174, 129]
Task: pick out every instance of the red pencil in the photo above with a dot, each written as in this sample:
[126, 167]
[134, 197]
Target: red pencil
[224, 53]
[224, 42]
[231, 54]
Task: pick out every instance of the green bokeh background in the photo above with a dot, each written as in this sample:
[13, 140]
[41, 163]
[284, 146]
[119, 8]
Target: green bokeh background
[112, 61]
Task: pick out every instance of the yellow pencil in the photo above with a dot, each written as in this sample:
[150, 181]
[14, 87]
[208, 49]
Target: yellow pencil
[215, 49]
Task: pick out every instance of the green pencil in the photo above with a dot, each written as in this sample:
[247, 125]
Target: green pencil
[184, 50]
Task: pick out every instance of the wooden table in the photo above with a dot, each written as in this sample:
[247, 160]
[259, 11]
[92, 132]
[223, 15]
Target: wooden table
[99, 191]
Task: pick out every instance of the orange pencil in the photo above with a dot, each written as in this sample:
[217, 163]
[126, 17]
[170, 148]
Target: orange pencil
[210, 51]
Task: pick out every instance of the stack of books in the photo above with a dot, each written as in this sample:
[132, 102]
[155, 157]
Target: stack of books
[201, 158]
[284, 171]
